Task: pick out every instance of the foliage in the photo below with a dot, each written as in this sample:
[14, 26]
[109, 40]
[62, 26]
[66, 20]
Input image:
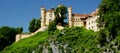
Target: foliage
[38, 23]
[102, 37]
[109, 11]
[34, 25]
[79, 40]
[60, 14]
[52, 26]
[19, 29]
[7, 35]
[27, 45]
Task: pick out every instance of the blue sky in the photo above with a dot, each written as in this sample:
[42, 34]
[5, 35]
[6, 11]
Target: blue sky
[18, 13]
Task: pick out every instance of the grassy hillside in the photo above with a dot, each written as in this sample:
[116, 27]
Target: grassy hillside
[70, 40]
[79, 40]
[27, 44]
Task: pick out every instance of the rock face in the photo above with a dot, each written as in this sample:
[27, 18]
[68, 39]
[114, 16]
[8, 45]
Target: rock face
[54, 48]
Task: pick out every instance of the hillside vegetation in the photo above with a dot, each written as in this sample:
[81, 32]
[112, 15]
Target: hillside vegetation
[76, 39]
[7, 35]
[28, 44]
[70, 40]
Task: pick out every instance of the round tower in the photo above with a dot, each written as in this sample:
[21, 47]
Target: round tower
[42, 17]
[70, 16]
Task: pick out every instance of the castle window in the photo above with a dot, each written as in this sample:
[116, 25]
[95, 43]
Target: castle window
[50, 20]
[92, 27]
[50, 15]
[89, 23]
[92, 22]
[89, 27]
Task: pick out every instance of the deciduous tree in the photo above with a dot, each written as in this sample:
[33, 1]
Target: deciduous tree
[109, 11]
[60, 14]
[7, 35]
[34, 25]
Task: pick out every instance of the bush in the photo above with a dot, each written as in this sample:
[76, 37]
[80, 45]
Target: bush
[52, 26]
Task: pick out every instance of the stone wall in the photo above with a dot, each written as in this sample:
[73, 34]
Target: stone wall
[21, 36]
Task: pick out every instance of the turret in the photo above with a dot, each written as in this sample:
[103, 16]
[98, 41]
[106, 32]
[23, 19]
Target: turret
[43, 17]
[70, 16]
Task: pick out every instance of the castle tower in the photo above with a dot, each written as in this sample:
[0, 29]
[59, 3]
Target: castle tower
[43, 17]
[70, 16]
[47, 17]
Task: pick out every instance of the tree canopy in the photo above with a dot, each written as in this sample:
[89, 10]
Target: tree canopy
[7, 35]
[34, 25]
[109, 21]
[60, 14]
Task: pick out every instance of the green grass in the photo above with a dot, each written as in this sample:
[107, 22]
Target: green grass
[27, 44]
[79, 40]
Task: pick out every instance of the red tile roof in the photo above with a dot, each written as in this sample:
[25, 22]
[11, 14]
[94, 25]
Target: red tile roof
[82, 16]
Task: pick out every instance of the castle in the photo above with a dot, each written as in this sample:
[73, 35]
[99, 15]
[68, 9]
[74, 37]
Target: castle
[86, 20]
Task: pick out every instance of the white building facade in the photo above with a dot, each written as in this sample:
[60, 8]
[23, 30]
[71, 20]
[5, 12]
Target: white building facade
[86, 20]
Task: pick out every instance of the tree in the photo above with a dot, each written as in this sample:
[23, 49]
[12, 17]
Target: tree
[52, 26]
[60, 14]
[34, 25]
[109, 11]
[7, 35]
[37, 24]
[19, 29]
